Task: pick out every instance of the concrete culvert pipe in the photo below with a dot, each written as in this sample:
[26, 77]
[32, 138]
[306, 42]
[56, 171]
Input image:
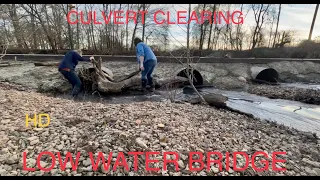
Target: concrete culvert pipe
[264, 74]
[197, 77]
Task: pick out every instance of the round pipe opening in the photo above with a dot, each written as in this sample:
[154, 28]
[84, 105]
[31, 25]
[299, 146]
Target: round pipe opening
[265, 74]
[196, 75]
[269, 75]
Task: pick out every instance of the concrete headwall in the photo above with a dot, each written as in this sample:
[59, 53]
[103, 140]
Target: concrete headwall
[220, 72]
[230, 75]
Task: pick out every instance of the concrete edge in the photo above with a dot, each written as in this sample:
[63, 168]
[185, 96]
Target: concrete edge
[53, 57]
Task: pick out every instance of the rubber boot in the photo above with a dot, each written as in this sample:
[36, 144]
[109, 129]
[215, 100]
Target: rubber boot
[143, 85]
[151, 88]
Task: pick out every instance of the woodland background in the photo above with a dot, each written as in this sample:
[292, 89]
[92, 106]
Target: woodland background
[43, 29]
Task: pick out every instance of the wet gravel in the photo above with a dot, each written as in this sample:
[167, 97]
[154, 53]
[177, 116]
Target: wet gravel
[143, 126]
[310, 96]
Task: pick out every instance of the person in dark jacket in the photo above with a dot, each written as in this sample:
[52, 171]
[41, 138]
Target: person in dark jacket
[147, 62]
[67, 69]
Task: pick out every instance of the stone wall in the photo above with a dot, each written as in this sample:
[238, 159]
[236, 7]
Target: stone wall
[221, 75]
[230, 75]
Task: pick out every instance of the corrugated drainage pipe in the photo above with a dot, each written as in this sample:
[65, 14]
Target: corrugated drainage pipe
[264, 74]
[197, 77]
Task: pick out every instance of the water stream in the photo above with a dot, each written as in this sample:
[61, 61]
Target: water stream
[301, 116]
[305, 117]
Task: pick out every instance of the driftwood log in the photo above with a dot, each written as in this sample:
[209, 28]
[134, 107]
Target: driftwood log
[101, 79]
[216, 100]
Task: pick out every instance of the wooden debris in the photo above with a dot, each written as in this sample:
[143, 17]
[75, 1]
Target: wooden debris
[101, 79]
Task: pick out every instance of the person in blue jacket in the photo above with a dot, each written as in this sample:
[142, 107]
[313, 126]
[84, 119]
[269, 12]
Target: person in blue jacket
[67, 69]
[147, 62]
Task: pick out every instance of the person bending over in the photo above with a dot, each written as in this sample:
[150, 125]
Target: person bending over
[67, 69]
[147, 62]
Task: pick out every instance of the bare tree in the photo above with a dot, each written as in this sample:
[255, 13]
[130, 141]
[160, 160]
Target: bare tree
[275, 34]
[135, 26]
[189, 70]
[33, 10]
[284, 38]
[211, 25]
[313, 21]
[260, 14]
[12, 8]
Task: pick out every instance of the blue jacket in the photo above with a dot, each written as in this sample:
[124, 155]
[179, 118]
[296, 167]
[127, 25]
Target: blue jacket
[144, 50]
[71, 60]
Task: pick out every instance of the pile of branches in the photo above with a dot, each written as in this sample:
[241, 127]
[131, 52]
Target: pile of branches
[98, 78]
[101, 79]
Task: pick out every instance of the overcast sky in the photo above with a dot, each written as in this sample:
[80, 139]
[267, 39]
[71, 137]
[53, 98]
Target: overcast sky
[296, 17]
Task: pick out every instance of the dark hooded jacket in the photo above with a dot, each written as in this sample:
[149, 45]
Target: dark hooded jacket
[70, 60]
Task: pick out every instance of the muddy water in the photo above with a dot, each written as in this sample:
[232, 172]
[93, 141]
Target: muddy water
[304, 117]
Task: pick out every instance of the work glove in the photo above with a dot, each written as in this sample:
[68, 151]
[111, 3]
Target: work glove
[91, 58]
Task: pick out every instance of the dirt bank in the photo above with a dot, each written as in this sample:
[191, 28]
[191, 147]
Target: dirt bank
[149, 126]
[310, 96]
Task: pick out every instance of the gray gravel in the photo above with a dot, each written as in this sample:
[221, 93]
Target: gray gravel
[310, 96]
[149, 126]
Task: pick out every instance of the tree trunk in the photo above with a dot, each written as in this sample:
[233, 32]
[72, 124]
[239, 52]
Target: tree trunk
[201, 31]
[34, 34]
[93, 35]
[135, 28]
[254, 41]
[275, 34]
[78, 36]
[69, 31]
[127, 34]
[15, 22]
[102, 79]
[144, 24]
[238, 42]
[270, 35]
[60, 28]
[47, 30]
[189, 70]
[261, 13]
[105, 9]
[313, 21]
[117, 39]
[112, 32]
[211, 25]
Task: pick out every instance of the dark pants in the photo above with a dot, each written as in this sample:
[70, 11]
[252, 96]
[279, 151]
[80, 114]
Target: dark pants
[146, 74]
[73, 79]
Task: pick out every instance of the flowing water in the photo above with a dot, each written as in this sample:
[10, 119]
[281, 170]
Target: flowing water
[301, 116]
[305, 117]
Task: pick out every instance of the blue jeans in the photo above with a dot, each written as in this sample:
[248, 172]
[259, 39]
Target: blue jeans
[74, 80]
[146, 74]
